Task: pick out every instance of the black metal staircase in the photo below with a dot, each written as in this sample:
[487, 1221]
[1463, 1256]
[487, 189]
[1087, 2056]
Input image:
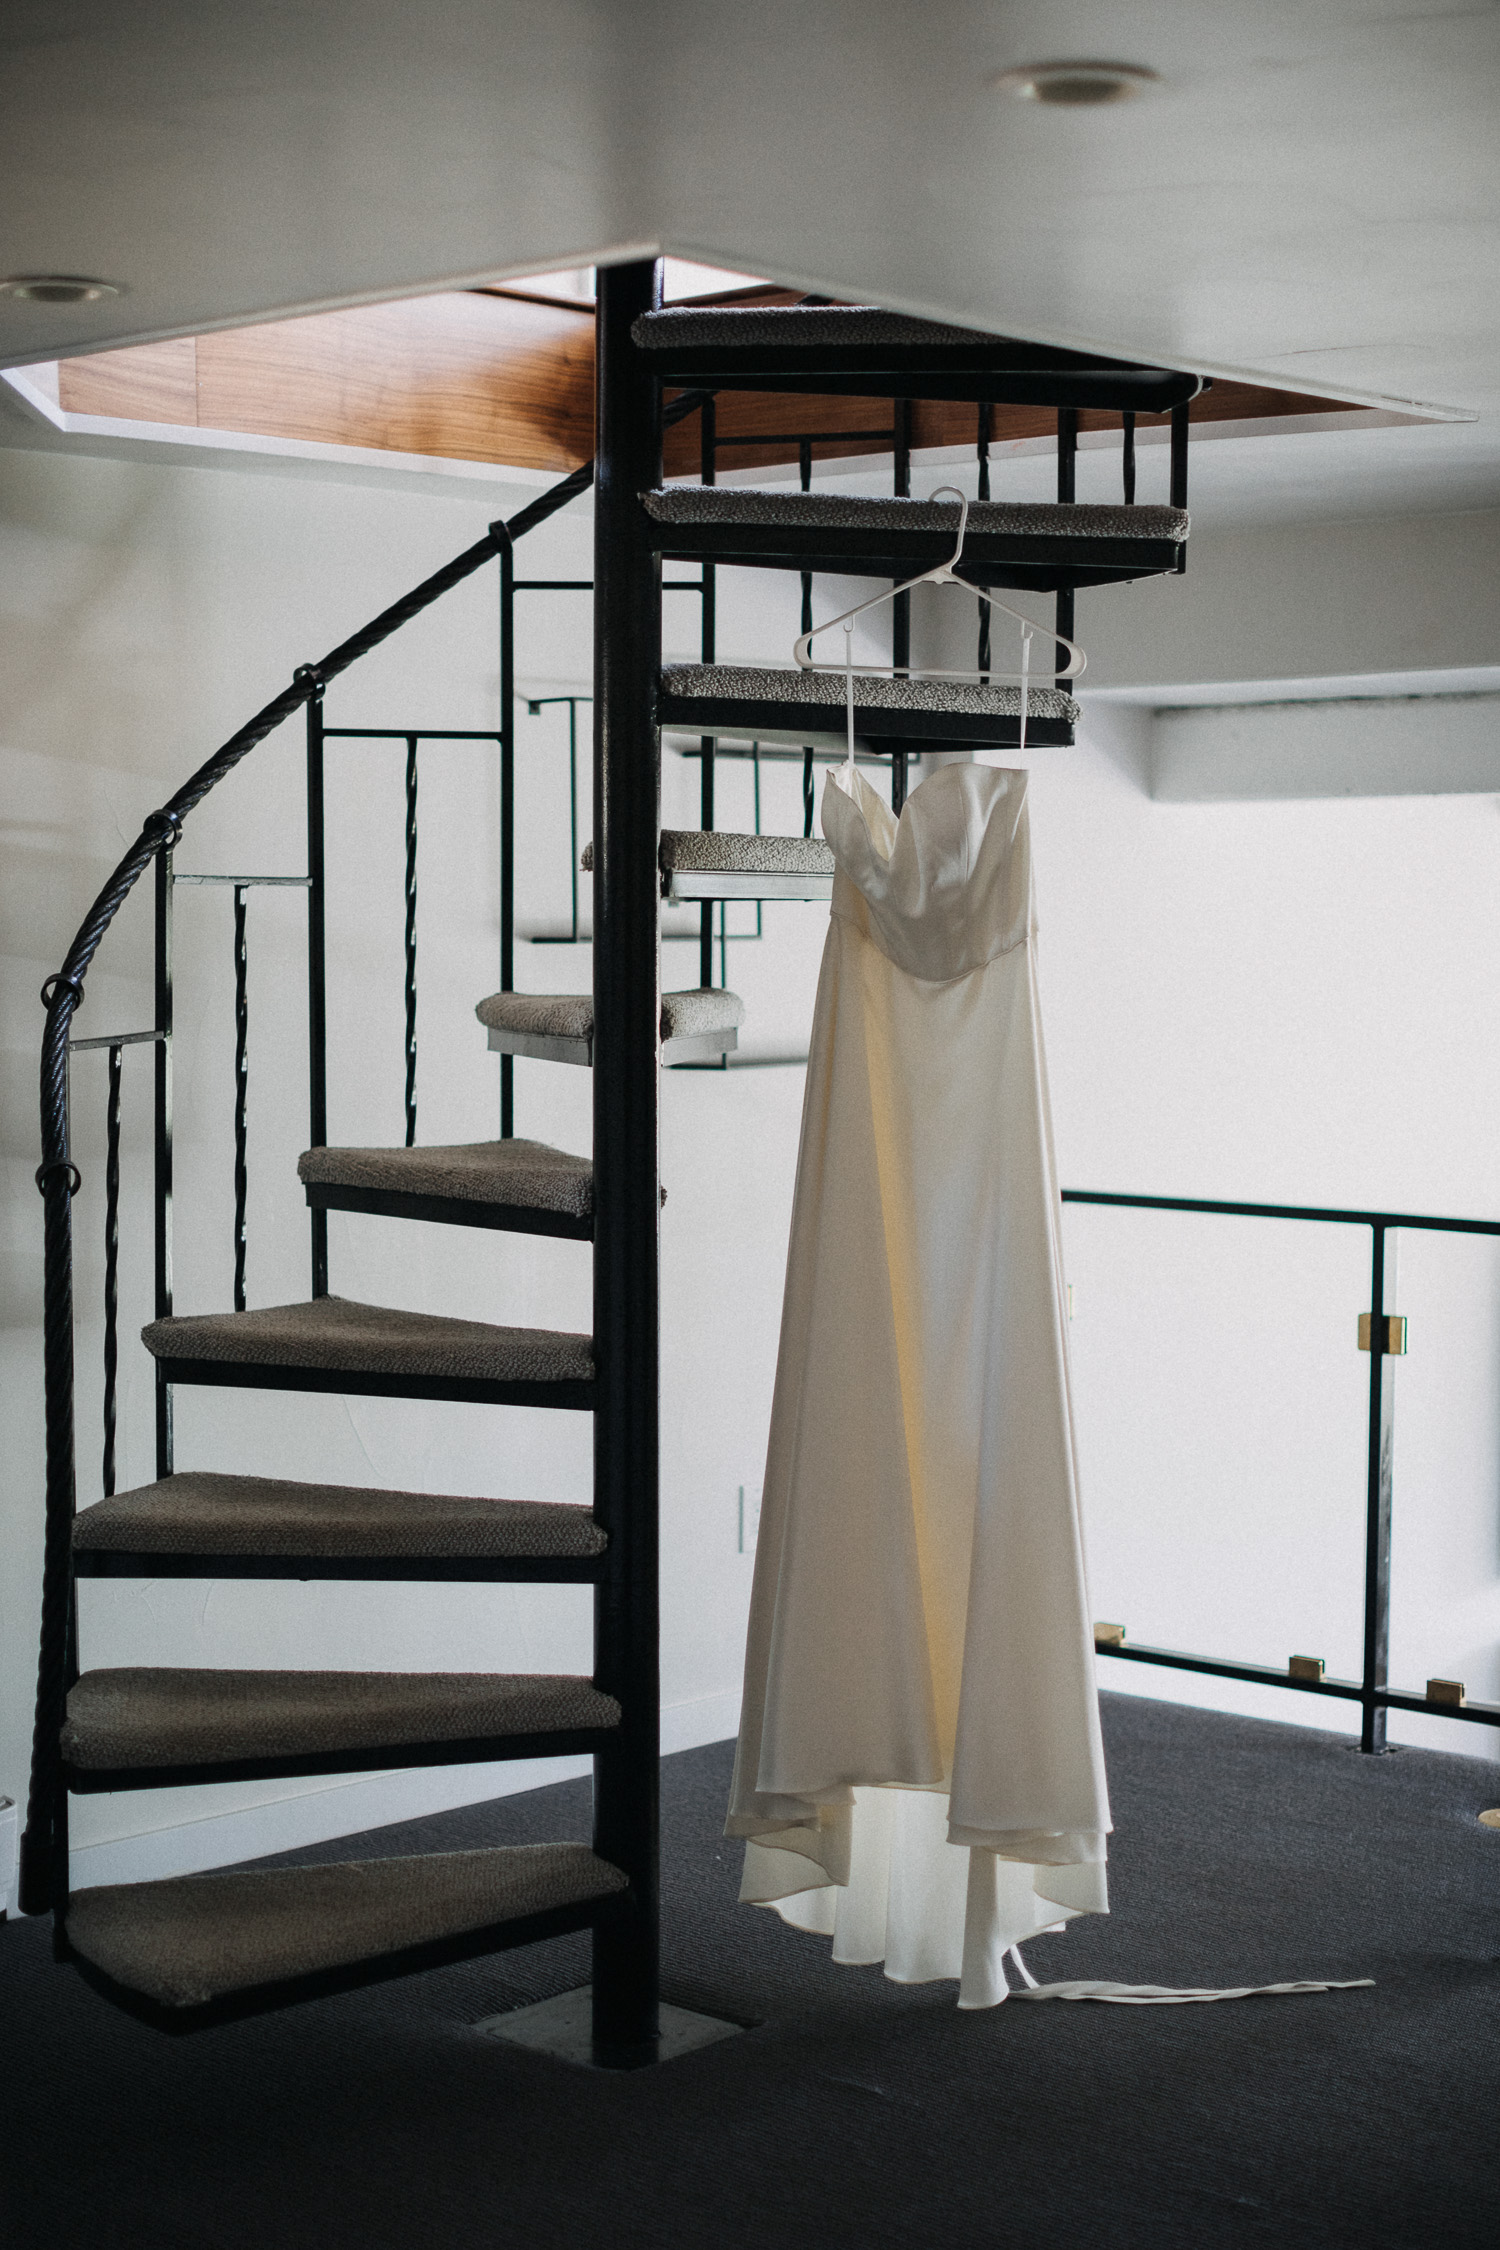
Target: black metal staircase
[202, 1949]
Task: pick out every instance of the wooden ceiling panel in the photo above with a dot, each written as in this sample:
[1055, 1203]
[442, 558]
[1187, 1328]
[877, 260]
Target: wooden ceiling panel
[146, 383]
[508, 377]
[462, 376]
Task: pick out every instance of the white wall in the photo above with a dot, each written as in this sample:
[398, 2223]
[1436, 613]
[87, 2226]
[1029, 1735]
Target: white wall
[1297, 601]
[1362, 746]
[1281, 1002]
[1289, 1001]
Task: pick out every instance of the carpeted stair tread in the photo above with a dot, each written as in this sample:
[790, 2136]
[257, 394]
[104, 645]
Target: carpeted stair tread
[343, 1336]
[525, 1173]
[722, 851]
[159, 1715]
[800, 327]
[718, 850]
[202, 1512]
[194, 1938]
[742, 683]
[569, 1015]
[740, 507]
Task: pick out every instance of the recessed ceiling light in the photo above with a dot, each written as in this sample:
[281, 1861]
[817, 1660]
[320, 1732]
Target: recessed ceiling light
[1076, 85]
[58, 288]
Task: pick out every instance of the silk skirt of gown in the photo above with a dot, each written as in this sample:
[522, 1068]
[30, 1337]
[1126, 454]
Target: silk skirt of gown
[920, 1774]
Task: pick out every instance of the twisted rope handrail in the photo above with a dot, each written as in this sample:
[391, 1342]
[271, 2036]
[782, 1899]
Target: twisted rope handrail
[58, 1178]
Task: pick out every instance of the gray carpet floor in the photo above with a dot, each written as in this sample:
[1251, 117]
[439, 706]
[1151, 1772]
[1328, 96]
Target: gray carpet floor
[856, 2112]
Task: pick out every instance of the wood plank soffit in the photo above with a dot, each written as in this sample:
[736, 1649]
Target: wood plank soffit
[483, 375]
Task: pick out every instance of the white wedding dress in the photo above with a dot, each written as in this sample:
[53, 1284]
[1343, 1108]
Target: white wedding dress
[920, 1772]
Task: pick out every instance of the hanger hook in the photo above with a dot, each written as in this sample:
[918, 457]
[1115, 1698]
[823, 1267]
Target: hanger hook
[963, 521]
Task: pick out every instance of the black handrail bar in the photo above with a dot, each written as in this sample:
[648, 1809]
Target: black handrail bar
[1266, 1675]
[418, 734]
[1310, 1211]
[44, 1845]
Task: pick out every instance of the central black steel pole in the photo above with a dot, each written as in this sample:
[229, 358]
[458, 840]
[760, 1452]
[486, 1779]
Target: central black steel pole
[627, 1016]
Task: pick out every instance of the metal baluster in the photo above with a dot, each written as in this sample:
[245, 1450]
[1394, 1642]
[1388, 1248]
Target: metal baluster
[111, 1264]
[241, 1092]
[1179, 457]
[573, 805]
[411, 940]
[708, 469]
[163, 1155]
[1378, 1481]
[536, 705]
[804, 463]
[901, 607]
[317, 976]
[507, 816]
[1127, 458]
[755, 770]
[984, 493]
[1067, 493]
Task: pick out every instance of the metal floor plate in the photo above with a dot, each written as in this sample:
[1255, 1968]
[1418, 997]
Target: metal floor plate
[563, 2027]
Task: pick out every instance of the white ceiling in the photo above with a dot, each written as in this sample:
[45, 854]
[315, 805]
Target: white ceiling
[1309, 198]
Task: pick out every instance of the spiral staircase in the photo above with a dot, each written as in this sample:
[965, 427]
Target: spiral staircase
[201, 1949]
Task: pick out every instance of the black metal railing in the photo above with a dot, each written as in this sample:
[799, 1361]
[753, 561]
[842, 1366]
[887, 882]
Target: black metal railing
[241, 886]
[536, 705]
[45, 1844]
[411, 738]
[410, 934]
[1372, 1690]
[897, 434]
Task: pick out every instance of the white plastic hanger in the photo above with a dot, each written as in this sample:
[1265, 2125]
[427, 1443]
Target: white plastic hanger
[944, 574]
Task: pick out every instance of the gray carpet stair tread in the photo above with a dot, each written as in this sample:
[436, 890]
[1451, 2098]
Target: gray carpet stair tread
[718, 850]
[804, 327]
[568, 1015]
[738, 507]
[339, 1335]
[765, 684]
[722, 850]
[144, 1715]
[195, 1938]
[201, 1512]
[528, 1174]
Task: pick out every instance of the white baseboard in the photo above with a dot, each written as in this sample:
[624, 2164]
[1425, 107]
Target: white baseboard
[705, 1718]
[347, 1807]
